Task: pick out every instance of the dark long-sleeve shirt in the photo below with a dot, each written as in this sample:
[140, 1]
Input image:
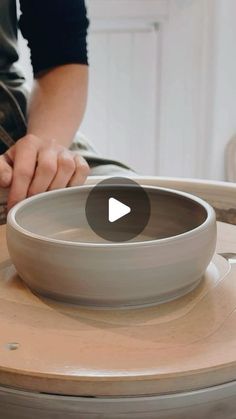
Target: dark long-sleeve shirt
[56, 32]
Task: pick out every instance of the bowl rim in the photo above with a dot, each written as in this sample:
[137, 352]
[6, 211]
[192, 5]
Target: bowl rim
[11, 221]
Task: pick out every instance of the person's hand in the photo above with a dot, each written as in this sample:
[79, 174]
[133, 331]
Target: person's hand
[34, 165]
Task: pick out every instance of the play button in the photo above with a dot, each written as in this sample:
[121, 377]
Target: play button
[118, 209]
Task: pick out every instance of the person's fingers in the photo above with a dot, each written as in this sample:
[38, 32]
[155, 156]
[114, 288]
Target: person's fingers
[81, 172]
[65, 170]
[10, 154]
[6, 172]
[25, 160]
[45, 172]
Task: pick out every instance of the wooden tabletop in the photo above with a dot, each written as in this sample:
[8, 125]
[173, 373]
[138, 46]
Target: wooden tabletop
[186, 344]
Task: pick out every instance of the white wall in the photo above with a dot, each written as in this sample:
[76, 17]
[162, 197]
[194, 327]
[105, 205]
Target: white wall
[123, 106]
[186, 89]
[224, 95]
[198, 112]
[163, 83]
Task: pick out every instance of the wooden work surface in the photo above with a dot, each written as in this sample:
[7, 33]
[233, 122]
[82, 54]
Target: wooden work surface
[182, 345]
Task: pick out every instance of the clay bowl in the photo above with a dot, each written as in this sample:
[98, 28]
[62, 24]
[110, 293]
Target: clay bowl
[58, 255]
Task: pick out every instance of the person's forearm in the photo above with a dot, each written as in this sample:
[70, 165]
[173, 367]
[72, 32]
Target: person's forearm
[58, 103]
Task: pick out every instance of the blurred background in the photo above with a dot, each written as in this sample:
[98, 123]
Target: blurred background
[162, 84]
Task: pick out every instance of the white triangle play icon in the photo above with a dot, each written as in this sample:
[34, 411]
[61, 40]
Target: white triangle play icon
[117, 209]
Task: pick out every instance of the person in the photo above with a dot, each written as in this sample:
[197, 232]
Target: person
[39, 149]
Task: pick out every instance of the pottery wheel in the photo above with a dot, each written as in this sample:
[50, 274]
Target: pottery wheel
[185, 344]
